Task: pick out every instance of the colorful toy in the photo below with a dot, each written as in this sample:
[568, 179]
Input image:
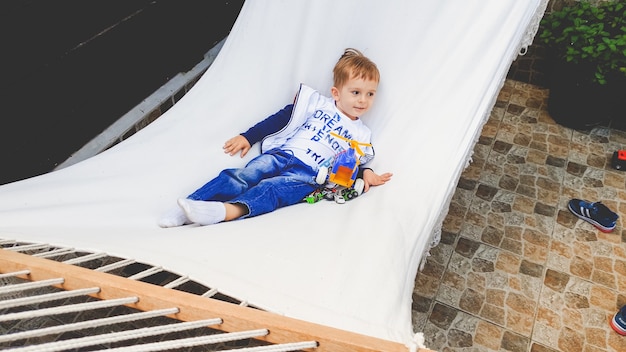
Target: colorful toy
[341, 178]
[339, 194]
[619, 160]
[316, 196]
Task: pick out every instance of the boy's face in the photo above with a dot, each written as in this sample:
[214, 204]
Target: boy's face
[355, 97]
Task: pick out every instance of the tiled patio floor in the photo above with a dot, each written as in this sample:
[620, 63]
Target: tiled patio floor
[515, 270]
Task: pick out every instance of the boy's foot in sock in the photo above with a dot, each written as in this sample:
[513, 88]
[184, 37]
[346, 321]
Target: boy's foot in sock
[173, 217]
[203, 213]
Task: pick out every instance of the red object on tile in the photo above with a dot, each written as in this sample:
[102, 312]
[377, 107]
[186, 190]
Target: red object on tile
[618, 323]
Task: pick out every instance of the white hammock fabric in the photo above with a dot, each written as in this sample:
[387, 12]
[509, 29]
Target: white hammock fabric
[349, 266]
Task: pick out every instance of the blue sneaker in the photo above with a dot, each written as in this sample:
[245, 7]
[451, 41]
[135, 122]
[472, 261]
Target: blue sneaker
[595, 213]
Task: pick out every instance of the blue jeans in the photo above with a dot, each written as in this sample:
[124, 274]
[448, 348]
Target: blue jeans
[270, 181]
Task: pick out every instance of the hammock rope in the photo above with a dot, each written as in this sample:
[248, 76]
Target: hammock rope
[121, 336]
[68, 309]
[210, 293]
[13, 274]
[94, 323]
[145, 273]
[85, 258]
[30, 285]
[117, 265]
[49, 297]
[196, 341]
[55, 253]
[28, 247]
[181, 280]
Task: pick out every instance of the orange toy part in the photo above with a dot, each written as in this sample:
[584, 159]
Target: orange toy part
[342, 177]
[621, 154]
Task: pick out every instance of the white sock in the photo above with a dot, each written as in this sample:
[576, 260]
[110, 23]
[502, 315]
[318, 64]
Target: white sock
[173, 217]
[203, 213]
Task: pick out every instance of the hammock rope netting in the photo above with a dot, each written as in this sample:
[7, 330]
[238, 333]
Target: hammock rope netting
[40, 312]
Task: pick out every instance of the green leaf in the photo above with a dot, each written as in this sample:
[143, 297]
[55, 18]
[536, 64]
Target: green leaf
[590, 33]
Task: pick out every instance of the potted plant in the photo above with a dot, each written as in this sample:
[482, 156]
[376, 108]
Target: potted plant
[586, 52]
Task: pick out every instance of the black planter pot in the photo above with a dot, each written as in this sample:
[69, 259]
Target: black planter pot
[575, 101]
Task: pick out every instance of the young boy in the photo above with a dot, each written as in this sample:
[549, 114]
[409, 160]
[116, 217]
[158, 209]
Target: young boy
[295, 142]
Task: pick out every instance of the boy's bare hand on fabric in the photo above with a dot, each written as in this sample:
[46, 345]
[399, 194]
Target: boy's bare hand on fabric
[237, 144]
[370, 178]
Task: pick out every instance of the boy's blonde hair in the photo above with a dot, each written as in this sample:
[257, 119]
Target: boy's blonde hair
[353, 64]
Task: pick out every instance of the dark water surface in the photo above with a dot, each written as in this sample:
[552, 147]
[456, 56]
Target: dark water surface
[70, 68]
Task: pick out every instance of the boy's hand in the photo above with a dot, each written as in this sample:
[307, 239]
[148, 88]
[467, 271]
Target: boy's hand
[237, 144]
[370, 178]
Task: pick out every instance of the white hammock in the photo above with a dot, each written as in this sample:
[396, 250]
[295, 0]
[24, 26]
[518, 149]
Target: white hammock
[348, 266]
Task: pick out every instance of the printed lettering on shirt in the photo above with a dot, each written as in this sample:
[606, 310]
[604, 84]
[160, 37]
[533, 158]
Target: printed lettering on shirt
[318, 158]
[308, 126]
[324, 132]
